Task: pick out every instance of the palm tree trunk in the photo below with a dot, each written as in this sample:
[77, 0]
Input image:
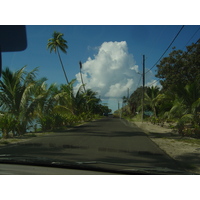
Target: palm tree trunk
[154, 109]
[5, 134]
[62, 67]
[82, 76]
[87, 107]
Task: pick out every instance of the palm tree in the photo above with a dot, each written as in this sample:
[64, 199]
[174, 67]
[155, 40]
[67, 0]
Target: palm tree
[124, 99]
[151, 98]
[186, 105]
[17, 96]
[82, 76]
[76, 103]
[46, 112]
[91, 100]
[7, 123]
[48, 101]
[58, 43]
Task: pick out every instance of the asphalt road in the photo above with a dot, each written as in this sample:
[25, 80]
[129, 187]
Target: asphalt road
[109, 143]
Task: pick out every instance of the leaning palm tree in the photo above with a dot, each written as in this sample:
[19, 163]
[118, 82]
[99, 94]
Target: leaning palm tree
[91, 100]
[58, 43]
[69, 100]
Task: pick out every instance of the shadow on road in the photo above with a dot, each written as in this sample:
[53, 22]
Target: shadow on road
[109, 141]
[190, 161]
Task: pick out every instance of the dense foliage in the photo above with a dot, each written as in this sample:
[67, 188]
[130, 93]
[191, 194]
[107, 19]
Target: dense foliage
[26, 102]
[178, 100]
[180, 67]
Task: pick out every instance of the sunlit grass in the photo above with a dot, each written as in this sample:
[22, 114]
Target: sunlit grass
[190, 140]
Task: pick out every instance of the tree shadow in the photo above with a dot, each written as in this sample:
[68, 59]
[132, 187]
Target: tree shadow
[169, 134]
[189, 161]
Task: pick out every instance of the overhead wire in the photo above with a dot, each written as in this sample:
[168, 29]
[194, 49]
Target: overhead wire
[139, 81]
[155, 81]
[166, 49]
[192, 37]
[181, 57]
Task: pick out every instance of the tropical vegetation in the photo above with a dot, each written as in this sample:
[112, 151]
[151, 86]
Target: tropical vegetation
[57, 43]
[177, 101]
[28, 103]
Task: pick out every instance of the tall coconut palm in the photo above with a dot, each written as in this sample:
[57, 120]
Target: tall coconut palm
[82, 76]
[58, 43]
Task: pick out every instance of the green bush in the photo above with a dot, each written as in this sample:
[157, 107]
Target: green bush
[7, 124]
[46, 122]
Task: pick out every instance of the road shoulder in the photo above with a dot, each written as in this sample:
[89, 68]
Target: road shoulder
[187, 154]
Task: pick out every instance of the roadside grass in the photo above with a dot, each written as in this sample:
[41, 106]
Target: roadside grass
[179, 138]
[136, 118]
[29, 135]
[8, 141]
[175, 138]
[4, 141]
[190, 140]
[170, 135]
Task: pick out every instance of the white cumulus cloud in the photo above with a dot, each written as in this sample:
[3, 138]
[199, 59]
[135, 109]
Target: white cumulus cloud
[111, 72]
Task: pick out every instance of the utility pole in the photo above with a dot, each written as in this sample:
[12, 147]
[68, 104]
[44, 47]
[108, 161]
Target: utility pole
[143, 75]
[119, 110]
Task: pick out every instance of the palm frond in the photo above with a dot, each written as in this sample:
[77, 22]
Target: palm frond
[63, 109]
[196, 105]
[187, 118]
[57, 42]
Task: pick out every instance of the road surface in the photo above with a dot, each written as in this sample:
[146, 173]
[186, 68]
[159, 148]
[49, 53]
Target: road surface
[109, 143]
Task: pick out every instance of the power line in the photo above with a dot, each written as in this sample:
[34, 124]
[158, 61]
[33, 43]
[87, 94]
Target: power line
[179, 58]
[155, 81]
[166, 49]
[139, 80]
[192, 37]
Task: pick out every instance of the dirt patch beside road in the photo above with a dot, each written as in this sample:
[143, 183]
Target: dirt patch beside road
[187, 154]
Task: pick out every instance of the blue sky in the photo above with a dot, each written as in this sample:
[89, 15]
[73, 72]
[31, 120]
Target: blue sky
[121, 47]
